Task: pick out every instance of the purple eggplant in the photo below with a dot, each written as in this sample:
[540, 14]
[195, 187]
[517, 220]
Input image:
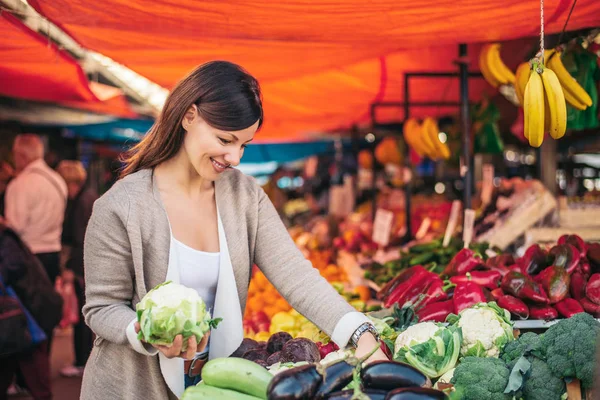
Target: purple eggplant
[389, 375]
[300, 383]
[336, 377]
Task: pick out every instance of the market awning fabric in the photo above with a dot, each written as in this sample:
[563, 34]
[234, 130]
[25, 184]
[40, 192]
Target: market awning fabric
[320, 63]
[32, 68]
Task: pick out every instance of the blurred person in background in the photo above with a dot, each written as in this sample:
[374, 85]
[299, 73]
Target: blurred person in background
[35, 203]
[77, 215]
[23, 272]
[6, 174]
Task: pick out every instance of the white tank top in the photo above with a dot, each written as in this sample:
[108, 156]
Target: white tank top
[198, 270]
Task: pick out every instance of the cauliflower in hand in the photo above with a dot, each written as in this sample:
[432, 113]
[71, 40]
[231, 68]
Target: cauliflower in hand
[486, 329]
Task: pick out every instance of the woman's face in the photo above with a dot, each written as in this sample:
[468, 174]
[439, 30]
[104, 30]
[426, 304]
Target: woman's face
[212, 151]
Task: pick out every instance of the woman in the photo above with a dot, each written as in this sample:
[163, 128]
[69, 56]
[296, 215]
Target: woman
[180, 212]
[77, 215]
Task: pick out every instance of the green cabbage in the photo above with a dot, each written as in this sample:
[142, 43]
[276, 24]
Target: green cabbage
[169, 310]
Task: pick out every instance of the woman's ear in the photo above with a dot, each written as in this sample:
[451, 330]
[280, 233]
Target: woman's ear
[189, 117]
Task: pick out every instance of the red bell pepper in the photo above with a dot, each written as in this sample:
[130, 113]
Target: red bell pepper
[466, 295]
[534, 260]
[464, 261]
[514, 305]
[488, 279]
[497, 293]
[590, 307]
[577, 286]
[576, 241]
[565, 256]
[515, 268]
[417, 293]
[399, 280]
[569, 307]
[547, 313]
[435, 292]
[436, 312]
[555, 282]
[592, 289]
[585, 268]
[593, 256]
[523, 287]
[500, 263]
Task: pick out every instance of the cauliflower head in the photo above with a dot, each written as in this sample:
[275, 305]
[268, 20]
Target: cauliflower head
[416, 334]
[486, 329]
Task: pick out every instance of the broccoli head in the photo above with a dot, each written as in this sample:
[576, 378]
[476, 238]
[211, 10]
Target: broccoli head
[528, 342]
[570, 348]
[541, 384]
[477, 378]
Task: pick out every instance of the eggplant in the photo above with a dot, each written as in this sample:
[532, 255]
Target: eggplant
[416, 393]
[372, 394]
[336, 377]
[389, 375]
[300, 383]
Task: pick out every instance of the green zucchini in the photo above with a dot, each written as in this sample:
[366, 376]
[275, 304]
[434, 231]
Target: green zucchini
[207, 392]
[237, 374]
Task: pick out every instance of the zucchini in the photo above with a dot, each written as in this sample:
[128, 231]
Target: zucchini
[237, 374]
[207, 392]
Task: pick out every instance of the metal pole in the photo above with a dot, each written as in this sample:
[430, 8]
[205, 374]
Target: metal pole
[407, 185]
[464, 99]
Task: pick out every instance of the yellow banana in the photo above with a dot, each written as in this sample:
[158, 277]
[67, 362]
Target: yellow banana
[428, 143]
[568, 83]
[410, 126]
[534, 109]
[556, 104]
[498, 65]
[431, 128]
[483, 67]
[521, 78]
[573, 102]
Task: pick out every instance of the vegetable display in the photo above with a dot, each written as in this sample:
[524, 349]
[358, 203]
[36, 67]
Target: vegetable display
[169, 310]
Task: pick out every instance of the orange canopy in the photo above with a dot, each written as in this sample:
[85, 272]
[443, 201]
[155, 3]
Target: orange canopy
[32, 68]
[320, 63]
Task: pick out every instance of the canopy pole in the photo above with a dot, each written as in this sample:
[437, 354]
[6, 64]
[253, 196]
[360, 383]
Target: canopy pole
[408, 183]
[465, 122]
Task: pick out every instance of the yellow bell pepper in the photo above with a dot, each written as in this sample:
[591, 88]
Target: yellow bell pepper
[262, 336]
[282, 322]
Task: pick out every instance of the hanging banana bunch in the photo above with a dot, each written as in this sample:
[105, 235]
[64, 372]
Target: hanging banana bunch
[493, 69]
[424, 139]
[544, 105]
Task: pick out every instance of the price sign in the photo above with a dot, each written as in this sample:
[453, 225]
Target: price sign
[488, 183]
[469, 222]
[382, 227]
[452, 221]
[423, 229]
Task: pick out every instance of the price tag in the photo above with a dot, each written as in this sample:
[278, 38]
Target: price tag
[423, 229]
[488, 183]
[382, 227]
[349, 197]
[452, 221]
[469, 222]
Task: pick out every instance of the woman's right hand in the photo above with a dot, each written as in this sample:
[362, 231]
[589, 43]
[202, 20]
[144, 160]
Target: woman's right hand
[175, 349]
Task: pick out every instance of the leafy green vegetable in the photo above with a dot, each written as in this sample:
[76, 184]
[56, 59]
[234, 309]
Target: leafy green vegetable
[171, 309]
[518, 375]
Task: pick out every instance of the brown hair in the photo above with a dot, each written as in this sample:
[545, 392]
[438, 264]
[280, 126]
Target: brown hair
[227, 97]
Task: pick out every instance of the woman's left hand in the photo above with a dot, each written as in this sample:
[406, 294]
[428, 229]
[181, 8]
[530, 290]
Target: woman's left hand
[366, 344]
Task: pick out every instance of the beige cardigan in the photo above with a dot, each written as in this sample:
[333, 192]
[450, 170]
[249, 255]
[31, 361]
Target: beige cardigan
[127, 253]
